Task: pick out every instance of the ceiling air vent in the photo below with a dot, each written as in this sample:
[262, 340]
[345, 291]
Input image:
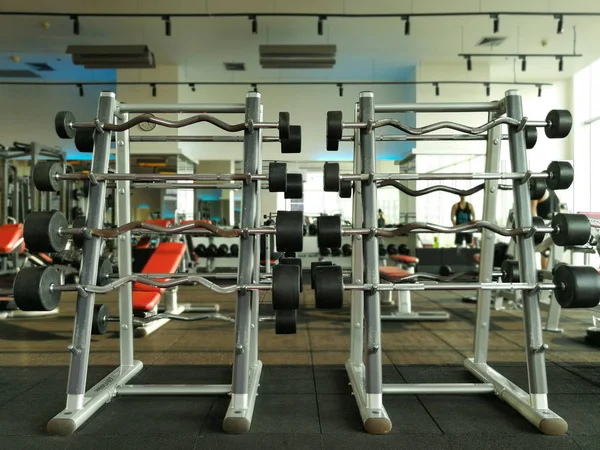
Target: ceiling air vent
[233, 66]
[491, 41]
[112, 56]
[18, 74]
[40, 67]
[297, 56]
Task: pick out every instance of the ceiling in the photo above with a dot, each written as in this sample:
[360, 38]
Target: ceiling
[368, 48]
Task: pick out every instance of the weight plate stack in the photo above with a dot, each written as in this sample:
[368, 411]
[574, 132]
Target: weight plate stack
[44, 176]
[313, 270]
[294, 186]
[576, 286]
[277, 177]
[329, 231]
[285, 321]
[286, 287]
[31, 288]
[288, 231]
[40, 232]
[329, 287]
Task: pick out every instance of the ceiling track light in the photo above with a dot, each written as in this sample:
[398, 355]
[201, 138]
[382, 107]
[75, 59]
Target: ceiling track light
[523, 64]
[192, 87]
[341, 89]
[167, 20]
[437, 89]
[153, 86]
[487, 89]
[75, 20]
[406, 25]
[254, 24]
[469, 63]
[80, 87]
[561, 64]
[496, 20]
[539, 86]
[561, 23]
[320, 25]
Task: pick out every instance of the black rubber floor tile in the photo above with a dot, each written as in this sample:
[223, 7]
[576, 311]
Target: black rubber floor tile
[57, 383]
[334, 379]
[339, 414]
[34, 442]
[535, 440]
[335, 441]
[580, 411]
[589, 372]
[273, 413]
[476, 414]
[28, 414]
[560, 381]
[287, 380]
[171, 441]
[259, 441]
[17, 380]
[587, 441]
[436, 374]
[184, 374]
[150, 415]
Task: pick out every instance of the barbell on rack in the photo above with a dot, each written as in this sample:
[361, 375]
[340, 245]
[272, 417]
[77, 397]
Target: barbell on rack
[557, 125]
[573, 286]
[47, 176]
[559, 175]
[565, 229]
[48, 231]
[40, 288]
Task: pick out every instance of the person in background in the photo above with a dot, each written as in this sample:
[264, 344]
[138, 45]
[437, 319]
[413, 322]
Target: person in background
[380, 219]
[546, 207]
[462, 213]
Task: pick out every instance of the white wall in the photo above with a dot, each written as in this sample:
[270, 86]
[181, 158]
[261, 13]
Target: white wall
[437, 207]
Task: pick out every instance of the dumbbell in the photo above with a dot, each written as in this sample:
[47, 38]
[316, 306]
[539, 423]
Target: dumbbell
[200, 250]
[324, 251]
[403, 250]
[223, 250]
[392, 249]
[212, 251]
[336, 252]
[234, 250]
[446, 270]
[382, 250]
[347, 250]
[312, 229]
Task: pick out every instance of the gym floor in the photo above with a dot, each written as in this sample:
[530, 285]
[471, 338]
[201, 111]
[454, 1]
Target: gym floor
[304, 400]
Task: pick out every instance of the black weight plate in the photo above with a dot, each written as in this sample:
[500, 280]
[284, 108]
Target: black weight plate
[571, 229]
[211, 251]
[446, 271]
[537, 188]
[382, 250]
[234, 250]
[284, 125]
[31, 288]
[293, 261]
[592, 336]
[333, 145]
[84, 139]
[510, 271]
[295, 186]
[403, 250]
[576, 286]
[105, 270]
[331, 177]
[329, 231]
[392, 249]
[562, 175]
[78, 239]
[561, 122]
[62, 124]
[334, 125]
[329, 287]
[313, 270]
[286, 287]
[538, 237]
[100, 319]
[288, 231]
[324, 251]
[347, 250]
[531, 136]
[223, 250]
[312, 229]
[44, 176]
[336, 252]
[277, 177]
[40, 232]
[345, 189]
[294, 143]
[285, 321]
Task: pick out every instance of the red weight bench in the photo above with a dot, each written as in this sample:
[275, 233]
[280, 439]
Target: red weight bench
[404, 310]
[11, 238]
[405, 262]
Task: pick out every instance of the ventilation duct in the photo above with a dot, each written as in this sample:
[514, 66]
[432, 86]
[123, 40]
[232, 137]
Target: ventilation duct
[297, 56]
[112, 56]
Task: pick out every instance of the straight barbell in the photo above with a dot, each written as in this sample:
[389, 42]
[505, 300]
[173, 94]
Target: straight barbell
[557, 125]
[573, 286]
[565, 229]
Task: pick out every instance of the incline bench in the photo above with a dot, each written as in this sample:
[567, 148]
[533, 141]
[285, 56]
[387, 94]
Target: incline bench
[405, 266]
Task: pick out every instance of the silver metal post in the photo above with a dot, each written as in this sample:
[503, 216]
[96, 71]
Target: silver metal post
[357, 308]
[239, 413]
[123, 216]
[536, 367]
[84, 308]
[486, 261]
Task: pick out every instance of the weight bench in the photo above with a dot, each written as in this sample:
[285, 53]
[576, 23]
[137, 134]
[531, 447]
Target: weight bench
[166, 259]
[11, 245]
[404, 312]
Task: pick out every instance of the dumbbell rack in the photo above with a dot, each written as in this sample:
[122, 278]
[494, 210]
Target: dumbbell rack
[364, 366]
[81, 405]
